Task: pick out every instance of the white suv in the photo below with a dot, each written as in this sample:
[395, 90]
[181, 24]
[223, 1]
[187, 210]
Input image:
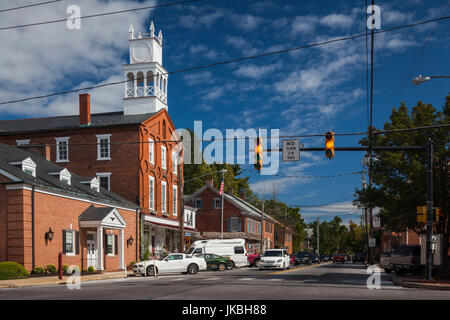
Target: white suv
[274, 259]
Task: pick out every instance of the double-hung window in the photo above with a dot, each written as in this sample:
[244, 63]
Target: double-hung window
[174, 198]
[110, 244]
[163, 197]
[151, 193]
[217, 203]
[174, 162]
[103, 147]
[62, 149]
[151, 151]
[104, 179]
[163, 158]
[198, 203]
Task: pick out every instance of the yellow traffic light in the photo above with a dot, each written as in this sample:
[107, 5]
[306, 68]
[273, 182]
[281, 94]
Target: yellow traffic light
[437, 214]
[258, 154]
[422, 214]
[329, 144]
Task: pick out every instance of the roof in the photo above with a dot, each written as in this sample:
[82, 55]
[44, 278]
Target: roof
[70, 122]
[94, 214]
[238, 202]
[45, 176]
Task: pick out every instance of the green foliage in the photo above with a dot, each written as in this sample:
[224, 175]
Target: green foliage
[12, 270]
[38, 270]
[50, 268]
[91, 269]
[65, 267]
[399, 178]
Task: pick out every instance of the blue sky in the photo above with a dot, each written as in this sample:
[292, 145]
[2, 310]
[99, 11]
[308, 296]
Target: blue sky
[303, 92]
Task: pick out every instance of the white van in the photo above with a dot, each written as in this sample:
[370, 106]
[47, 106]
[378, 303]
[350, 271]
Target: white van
[231, 248]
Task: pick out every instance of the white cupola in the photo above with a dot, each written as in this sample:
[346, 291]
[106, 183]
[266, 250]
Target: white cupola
[146, 88]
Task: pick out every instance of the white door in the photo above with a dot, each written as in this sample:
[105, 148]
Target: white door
[92, 253]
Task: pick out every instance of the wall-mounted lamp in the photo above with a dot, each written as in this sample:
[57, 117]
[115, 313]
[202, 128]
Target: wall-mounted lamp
[49, 234]
[130, 241]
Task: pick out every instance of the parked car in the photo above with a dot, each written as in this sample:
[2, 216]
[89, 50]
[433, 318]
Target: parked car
[330, 257]
[173, 263]
[253, 259]
[302, 257]
[358, 257]
[324, 257]
[274, 259]
[406, 258]
[232, 248]
[339, 258]
[215, 262]
[292, 259]
[314, 258]
[385, 261]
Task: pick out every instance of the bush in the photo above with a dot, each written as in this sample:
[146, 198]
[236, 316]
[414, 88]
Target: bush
[12, 270]
[38, 270]
[91, 269]
[50, 268]
[65, 268]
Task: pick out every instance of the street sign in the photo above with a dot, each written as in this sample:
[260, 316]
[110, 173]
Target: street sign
[372, 242]
[291, 150]
[376, 222]
[187, 234]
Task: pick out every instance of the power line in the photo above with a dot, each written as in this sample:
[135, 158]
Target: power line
[311, 177]
[196, 68]
[247, 138]
[30, 5]
[98, 15]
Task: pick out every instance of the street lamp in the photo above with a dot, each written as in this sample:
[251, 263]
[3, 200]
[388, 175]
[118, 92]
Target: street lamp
[420, 79]
[223, 191]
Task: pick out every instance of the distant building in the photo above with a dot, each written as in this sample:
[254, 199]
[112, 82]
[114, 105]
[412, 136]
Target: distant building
[240, 218]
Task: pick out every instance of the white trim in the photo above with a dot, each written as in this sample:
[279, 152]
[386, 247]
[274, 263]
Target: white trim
[58, 140]
[100, 137]
[26, 164]
[74, 237]
[175, 200]
[164, 161]
[53, 193]
[170, 222]
[23, 142]
[10, 176]
[105, 175]
[151, 144]
[111, 235]
[152, 179]
[174, 163]
[214, 203]
[64, 174]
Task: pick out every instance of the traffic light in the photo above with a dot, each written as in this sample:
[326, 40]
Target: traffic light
[422, 214]
[329, 144]
[258, 154]
[437, 214]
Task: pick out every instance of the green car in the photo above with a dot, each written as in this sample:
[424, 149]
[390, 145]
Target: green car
[215, 262]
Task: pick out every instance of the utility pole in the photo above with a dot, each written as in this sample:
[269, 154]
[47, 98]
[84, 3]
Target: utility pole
[284, 229]
[318, 237]
[223, 191]
[366, 224]
[262, 221]
[180, 200]
[429, 252]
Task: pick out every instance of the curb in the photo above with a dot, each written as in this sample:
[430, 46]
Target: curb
[416, 285]
[12, 285]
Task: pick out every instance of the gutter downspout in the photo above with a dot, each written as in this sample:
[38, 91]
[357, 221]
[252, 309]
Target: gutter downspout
[32, 229]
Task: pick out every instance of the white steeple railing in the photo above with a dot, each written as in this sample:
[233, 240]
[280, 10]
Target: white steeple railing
[142, 90]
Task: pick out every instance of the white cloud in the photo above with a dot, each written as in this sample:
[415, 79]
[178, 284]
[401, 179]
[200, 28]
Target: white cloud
[255, 71]
[204, 78]
[304, 24]
[247, 22]
[337, 20]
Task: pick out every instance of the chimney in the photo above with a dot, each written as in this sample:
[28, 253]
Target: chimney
[209, 181]
[85, 109]
[42, 150]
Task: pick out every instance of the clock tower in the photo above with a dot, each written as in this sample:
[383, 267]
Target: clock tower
[146, 88]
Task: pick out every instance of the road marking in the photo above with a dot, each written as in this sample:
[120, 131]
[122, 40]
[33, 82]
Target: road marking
[307, 267]
[178, 279]
[211, 279]
[276, 279]
[247, 279]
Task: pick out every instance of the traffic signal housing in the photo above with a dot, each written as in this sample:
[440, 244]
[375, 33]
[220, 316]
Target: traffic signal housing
[422, 214]
[258, 154]
[329, 144]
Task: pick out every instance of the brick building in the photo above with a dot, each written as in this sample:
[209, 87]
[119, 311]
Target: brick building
[46, 209]
[131, 152]
[240, 218]
[286, 233]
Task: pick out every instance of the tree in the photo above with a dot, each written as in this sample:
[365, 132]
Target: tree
[399, 178]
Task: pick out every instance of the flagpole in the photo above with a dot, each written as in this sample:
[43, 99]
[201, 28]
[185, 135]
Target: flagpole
[223, 182]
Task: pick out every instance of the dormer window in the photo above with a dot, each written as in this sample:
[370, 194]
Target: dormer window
[64, 175]
[94, 184]
[28, 166]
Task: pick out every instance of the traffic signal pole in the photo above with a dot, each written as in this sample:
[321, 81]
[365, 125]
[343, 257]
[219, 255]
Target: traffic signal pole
[429, 151]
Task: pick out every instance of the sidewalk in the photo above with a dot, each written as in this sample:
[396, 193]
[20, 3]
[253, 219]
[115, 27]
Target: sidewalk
[44, 281]
[419, 282]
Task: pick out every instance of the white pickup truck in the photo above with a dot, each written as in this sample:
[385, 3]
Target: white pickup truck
[406, 259]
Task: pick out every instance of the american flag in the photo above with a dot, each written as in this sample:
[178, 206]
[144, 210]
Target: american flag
[221, 188]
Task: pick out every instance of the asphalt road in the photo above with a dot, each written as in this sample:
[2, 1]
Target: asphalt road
[322, 282]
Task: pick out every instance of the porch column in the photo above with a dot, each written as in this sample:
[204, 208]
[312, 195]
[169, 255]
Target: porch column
[121, 250]
[100, 248]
